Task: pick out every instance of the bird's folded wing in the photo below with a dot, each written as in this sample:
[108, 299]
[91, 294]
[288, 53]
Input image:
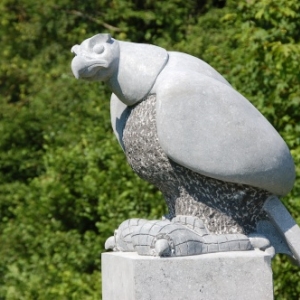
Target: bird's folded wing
[211, 129]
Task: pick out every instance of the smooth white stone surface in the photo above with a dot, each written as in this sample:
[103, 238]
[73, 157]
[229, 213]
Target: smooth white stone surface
[227, 276]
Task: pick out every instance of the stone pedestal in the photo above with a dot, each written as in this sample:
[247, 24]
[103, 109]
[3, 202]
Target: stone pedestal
[228, 276]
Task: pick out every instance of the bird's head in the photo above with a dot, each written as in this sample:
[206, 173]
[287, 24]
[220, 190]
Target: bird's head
[96, 58]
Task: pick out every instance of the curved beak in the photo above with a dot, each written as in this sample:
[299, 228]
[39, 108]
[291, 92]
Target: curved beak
[75, 49]
[85, 66]
[78, 65]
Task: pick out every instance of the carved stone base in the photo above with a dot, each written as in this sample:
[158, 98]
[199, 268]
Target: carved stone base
[243, 275]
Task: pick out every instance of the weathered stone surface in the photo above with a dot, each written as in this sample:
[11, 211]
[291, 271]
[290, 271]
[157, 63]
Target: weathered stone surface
[230, 276]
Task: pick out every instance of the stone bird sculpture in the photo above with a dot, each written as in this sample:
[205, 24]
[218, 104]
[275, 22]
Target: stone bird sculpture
[218, 162]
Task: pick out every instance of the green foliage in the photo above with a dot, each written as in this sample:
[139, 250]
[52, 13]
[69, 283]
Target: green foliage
[64, 182]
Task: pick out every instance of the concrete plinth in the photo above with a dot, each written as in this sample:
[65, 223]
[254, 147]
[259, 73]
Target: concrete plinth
[230, 275]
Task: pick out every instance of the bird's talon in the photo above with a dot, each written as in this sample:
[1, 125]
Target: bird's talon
[162, 248]
[110, 243]
[260, 242]
[270, 251]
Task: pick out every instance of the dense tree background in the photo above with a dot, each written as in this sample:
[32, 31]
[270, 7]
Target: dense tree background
[64, 181]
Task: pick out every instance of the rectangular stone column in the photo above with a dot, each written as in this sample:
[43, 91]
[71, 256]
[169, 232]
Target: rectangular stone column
[243, 275]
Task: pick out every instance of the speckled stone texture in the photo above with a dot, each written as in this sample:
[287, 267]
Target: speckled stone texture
[243, 275]
[224, 207]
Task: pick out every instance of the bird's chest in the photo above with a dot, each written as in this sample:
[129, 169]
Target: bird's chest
[224, 207]
[142, 148]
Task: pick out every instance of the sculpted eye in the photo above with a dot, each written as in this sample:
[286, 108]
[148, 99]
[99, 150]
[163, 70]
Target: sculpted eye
[98, 49]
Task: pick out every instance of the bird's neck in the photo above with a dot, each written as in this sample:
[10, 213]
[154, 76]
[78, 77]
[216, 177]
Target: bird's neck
[139, 66]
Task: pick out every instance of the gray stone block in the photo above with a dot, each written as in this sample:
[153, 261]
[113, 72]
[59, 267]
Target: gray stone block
[231, 275]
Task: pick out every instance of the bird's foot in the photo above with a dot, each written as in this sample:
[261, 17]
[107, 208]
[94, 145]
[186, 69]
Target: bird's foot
[260, 242]
[122, 239]
[191, 222]
[183, 236]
